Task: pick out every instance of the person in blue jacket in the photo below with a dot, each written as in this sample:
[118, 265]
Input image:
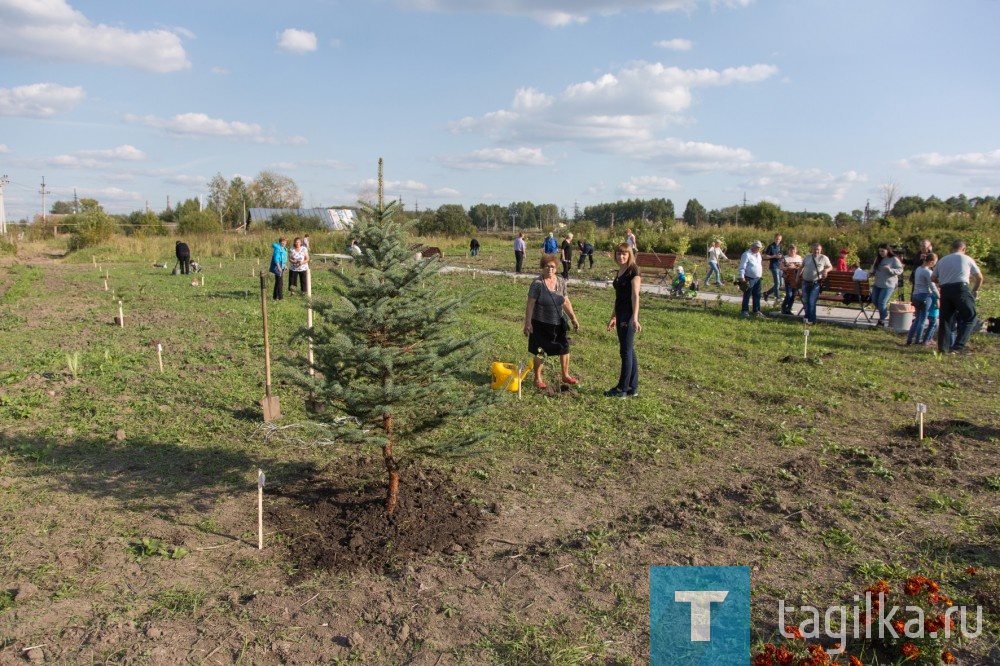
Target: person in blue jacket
[279, 262]
[551, 245]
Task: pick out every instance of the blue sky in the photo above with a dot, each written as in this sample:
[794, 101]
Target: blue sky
[811, 104]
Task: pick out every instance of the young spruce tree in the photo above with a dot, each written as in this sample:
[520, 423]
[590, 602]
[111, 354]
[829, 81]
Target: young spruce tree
[390, 354]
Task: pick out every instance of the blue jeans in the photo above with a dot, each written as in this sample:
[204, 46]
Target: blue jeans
[958, 314]
[786, 305]
[919, 301]
[880, 299]
[628, 378]
[753, 291]
[776, 276]
[810, 294]
[932, 324]
[713, 268]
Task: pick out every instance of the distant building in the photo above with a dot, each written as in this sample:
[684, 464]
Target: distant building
[336, 219]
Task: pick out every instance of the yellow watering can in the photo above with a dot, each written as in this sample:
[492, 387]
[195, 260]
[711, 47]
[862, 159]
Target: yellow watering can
[505, 374]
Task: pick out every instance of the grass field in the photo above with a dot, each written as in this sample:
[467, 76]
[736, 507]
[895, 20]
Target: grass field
[128, 496]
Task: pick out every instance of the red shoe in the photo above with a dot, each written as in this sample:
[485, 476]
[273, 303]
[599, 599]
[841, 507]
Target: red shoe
[541, 385]
[570, 380]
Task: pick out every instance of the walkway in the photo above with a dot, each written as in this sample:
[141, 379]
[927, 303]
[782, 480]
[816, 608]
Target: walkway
[824, 313]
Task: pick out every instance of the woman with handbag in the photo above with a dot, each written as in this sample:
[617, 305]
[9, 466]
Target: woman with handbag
[279, 262]
[547, 319]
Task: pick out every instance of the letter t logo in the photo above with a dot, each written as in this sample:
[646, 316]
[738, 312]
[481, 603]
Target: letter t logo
[701, 610]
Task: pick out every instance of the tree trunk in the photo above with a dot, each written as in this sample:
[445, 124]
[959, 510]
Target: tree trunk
[392, 494]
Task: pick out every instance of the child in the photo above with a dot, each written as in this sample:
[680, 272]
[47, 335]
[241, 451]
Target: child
[933, 312]
[679, 282]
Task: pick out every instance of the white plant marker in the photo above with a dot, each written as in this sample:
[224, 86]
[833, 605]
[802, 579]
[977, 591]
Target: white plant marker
[520, 368]
[921, 410]
[220, 264]
[258, 261]
[261, 480]
[121, 316]
[805, 349]
[203, 280]
[93, 259]
[105, 285]
[106, 276]
[159, 355]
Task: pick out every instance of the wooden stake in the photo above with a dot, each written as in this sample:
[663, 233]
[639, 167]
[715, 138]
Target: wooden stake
[121, 316]
[309, 320]
[159, 355]
[105, 285]
[260, 509]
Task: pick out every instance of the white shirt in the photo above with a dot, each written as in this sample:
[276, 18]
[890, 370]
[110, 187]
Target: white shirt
[715, 254]
[955, 268]
[750, 265]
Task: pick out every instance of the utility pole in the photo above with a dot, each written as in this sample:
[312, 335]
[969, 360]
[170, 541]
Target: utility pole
[513, 217]
[43, 192]
[3, 213]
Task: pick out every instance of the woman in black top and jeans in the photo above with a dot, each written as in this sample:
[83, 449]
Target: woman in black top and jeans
[625, 321]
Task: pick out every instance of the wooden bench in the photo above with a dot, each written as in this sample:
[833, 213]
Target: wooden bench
[841, 287]
[661, 265]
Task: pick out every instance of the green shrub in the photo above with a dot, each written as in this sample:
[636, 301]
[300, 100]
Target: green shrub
[198, 222]
[8, 246]
[90, 228]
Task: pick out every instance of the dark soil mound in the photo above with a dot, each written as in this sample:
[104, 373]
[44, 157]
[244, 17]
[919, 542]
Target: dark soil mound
[337, 527]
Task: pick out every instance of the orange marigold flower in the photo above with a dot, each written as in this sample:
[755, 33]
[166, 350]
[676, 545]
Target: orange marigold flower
[763, 660]
[910, 651]
[784, 657]
[854, 661]
[912, 587]
[932, 586]
[933, 597]
[931, 625]
[946, 601]
[972, 572]
[898, 626]
[793, 631]
[947, 657]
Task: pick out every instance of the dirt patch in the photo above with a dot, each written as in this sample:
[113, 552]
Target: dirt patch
[332, 526]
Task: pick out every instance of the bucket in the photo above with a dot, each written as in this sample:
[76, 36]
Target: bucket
[900, 317]
[505, 375]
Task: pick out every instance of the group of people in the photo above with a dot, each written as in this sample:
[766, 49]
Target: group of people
[549, 315]
[551, 246]
[942, 290]
[294, 261]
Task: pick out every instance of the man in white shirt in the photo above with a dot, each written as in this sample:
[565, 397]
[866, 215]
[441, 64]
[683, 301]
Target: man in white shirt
[953, 274]
[749, 274]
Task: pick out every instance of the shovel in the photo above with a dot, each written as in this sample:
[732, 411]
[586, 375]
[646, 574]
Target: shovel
[269, 404]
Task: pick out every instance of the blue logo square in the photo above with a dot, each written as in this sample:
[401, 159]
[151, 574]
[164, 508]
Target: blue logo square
[699, 616]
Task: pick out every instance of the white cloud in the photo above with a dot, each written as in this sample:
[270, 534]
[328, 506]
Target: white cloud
[4, 149]
[52, 30]
[96, 159]
[965, 164]
[675, 44]
[622, 113]
[200, 124]
[39, 100]
[123, 152]
[647, 186]
[446, 193]
[497, 158]
[562, 12]
[805, 185]
[194, 182]
[297, 41]
[221, 71]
